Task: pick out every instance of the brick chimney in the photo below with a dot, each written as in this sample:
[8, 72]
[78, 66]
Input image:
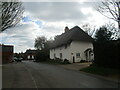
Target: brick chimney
[66, 29]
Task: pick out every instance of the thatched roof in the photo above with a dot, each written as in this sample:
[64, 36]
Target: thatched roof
[74, 34]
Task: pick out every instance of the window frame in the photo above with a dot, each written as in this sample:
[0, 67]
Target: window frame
[61, 55]
[77, 55]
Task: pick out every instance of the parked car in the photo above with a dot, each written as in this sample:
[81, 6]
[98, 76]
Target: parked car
[17, 59]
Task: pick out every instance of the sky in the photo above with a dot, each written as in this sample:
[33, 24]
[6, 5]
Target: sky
[49, 19]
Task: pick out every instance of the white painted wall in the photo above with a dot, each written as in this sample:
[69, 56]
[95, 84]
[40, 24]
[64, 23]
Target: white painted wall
[74, 47]
[57, 51]
[28, 57]
[80, 47]
[32, 56]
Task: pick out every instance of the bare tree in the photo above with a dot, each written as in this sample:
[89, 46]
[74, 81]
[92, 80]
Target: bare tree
[110, 9]
[11, 14]
[89, 29]
[111, 27]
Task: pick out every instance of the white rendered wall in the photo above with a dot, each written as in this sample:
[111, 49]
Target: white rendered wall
[74, 47]
[57, 51]
[79, 47]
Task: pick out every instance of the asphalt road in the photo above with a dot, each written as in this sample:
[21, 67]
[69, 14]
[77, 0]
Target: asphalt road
[37, 75]
[0, 77]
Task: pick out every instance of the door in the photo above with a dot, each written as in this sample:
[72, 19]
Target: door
[73, 59]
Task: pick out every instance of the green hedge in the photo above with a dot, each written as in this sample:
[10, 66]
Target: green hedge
[107, 54]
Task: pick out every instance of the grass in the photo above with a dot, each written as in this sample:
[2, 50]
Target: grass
[109, 72]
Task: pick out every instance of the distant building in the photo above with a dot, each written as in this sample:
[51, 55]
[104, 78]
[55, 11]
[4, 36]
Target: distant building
[6, 51]
[30, 54]
[74, 45]
[19, 55]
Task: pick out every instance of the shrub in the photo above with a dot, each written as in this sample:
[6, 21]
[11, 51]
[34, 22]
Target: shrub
[41, 55]
[82, 61]
[66, 61]
[58, 59]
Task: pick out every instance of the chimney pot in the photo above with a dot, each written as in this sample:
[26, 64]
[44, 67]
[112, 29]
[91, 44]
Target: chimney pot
[66, 29]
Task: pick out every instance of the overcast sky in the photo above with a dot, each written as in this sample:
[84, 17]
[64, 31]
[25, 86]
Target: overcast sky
[49, 19]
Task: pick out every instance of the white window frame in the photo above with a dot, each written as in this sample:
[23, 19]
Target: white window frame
[77, 55]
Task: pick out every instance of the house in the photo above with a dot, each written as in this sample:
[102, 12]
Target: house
[6, 51]
[74, 45]
[30, 54]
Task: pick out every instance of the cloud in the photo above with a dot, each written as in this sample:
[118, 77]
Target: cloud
[55, 11]
[75, 12]
[22, 35]
[49, 19]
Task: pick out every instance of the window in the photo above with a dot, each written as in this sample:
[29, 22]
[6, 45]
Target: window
[61, 55]
[77, 55]
[71, 53]
[91, 54]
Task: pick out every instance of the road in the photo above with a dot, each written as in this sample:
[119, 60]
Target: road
[0, 76]
[29, 74]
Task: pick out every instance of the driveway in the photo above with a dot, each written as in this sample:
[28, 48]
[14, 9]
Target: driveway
[38, 75]
[76, 66]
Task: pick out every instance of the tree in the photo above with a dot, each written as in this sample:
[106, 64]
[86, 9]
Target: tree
[40, 43]
[111, 27]
[11, 14]
[110, 9]
[89, 29]
[106, 50]
[103, 35]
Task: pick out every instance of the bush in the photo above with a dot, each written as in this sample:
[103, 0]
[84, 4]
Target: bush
[82, 61]
[66, 61]
[41, 55]
[58, 60]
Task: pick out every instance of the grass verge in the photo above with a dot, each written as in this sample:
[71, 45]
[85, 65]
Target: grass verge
[108, 72]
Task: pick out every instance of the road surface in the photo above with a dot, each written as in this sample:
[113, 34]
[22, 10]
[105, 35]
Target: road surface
[29, 74]
[0, 76]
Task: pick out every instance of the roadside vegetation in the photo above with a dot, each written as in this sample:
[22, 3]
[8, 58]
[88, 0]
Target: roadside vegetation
[106, 53]
[42, 55]
[55, 62]
[104, 71]
[106, 48]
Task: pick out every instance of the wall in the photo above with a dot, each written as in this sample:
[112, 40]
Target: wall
[7, 57]
[80, 47]
[64, 50]
[71, 50]
[6, 53]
